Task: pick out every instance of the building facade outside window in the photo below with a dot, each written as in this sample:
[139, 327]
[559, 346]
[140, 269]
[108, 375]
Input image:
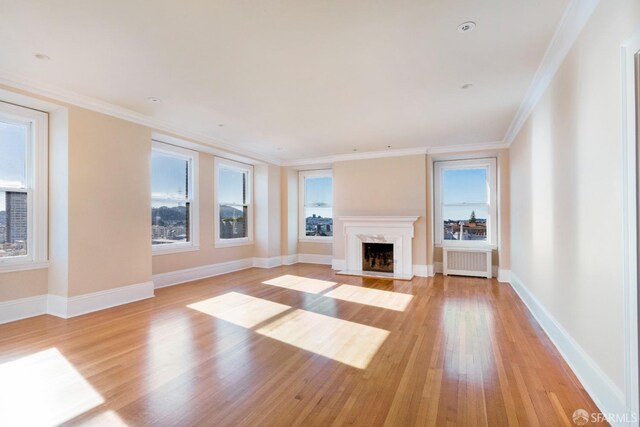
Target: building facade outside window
[316, 205]
[233, 202]
[23, 187]
[174, 200]
[465, 202]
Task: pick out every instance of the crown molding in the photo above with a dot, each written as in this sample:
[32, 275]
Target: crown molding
[571, 24]
[356, 156]
[94, 104]
[446, 149]
[468, 148]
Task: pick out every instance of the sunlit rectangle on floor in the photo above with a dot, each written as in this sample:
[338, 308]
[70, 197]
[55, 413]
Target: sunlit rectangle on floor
[240, 309]
[302, 284]
[343, 341]
[373, 297]
[43, 389]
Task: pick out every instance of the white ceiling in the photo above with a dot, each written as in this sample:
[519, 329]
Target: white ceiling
[292, 79]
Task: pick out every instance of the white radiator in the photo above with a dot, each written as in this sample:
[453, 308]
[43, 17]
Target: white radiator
[466, 262]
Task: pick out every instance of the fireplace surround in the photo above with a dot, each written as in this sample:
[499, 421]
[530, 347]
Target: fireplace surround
[396, 231]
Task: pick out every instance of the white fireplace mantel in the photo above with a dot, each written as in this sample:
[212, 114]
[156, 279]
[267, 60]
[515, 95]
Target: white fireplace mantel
[397, 230]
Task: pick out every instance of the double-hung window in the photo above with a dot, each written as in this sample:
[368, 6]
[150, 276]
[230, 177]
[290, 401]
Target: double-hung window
[316, 205]
[233, 202]
[174, 209]
[465, 202]
[23, 187]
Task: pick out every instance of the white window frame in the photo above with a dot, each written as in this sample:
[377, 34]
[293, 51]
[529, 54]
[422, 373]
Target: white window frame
[492, 220]
[220, 162]
[302, 176]
[36, 187]
[194, 209]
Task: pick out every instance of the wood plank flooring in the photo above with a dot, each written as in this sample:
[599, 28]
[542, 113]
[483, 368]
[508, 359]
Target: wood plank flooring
[293, 345]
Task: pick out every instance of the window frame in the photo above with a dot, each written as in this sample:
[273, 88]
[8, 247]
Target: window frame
[221, 162]
[488, 163]
[192, 157]
[37, 173]
[302, 230]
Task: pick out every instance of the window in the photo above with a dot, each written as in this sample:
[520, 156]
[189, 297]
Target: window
[233, 203]
[174, 209]
[23, 187]
[465, 202]
[316, 205]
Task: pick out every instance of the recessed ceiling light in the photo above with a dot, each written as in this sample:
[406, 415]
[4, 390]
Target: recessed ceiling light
[466, 86]
[466, 27]
[153, 99]
[279, 148]
[388, 146]
[220, 125]
[355, 149]
[42, 56]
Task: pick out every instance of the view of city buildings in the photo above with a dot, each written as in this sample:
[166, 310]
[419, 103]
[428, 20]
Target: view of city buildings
[169, 224]
[468, 229]
[13, 224]
[316, 225]
[233, 222]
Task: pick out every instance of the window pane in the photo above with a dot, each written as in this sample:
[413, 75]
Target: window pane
[464, 186]
[232, 187]
[169, 222]
[318, 192]
[233, 222]
[465, 222]
[169, 176]
[13, 223]
[13, 158]
[318, 221]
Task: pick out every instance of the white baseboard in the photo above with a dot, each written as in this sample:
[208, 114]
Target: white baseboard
[315, 259]
[605, 394]
[95, 301]
[421, 270]
[504, 276]
[267, 262]
[289, 259]
[22, 308]
[187, 275]
[338, 264]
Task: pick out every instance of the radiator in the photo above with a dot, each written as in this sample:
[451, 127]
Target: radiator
[466, 262]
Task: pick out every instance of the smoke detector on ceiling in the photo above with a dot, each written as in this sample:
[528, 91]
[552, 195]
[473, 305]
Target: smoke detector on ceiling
[466, 27]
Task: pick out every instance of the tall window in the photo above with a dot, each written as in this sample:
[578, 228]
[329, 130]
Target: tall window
[233, 202]
[465, 202]
[23, 186]
[174, 210]
[316, 205]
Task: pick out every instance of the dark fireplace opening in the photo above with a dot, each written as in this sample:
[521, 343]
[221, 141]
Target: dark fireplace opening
[377, 257]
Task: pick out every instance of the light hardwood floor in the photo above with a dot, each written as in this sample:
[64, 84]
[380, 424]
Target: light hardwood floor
[294, 345]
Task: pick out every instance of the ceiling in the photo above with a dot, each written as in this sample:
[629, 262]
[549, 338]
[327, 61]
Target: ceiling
[292, 79]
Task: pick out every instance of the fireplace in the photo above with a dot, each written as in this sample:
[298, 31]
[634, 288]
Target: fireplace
[377, 257]
[377, 246]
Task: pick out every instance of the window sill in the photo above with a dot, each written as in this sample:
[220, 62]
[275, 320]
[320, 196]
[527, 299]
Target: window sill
[9, 267]
[233, 242]
[174, 250]
[316, 240]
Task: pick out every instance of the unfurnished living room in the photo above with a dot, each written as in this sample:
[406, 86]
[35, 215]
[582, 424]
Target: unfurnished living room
[319, 213]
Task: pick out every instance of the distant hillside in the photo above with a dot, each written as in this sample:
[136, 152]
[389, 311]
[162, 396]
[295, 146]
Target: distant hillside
[176, 213]
[229, 212]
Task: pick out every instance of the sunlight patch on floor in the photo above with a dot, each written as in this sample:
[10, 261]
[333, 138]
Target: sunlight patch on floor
[105, 419]
[373, 297]
[343, 341]
[43, 389]
[302, 284]
[239, 309]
